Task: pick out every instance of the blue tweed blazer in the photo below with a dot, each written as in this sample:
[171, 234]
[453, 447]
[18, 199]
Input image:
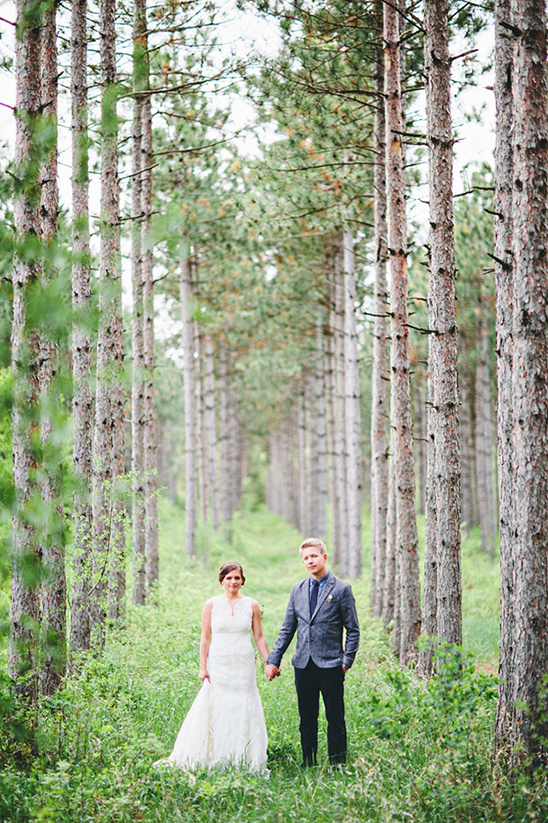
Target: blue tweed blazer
[320, 635]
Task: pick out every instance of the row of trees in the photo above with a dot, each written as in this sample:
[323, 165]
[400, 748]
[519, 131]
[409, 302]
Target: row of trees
[39, 598]
[272, 273]
[521, 88]
[523, 570]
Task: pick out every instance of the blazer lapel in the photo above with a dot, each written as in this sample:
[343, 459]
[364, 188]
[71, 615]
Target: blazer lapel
[305, 600]
[325, 589]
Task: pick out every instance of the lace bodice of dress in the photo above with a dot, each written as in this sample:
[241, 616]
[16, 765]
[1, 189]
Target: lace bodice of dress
[230, 619]
[231, 644]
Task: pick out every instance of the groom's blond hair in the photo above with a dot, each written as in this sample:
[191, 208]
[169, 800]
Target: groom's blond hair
[313, 543]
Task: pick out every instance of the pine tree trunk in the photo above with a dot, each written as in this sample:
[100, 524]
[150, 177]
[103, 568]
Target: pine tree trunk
[189, 380]
[26, 549]
[407, 541]
[530, 386]
[283, 470]
[291, 462]
[329, 353]
[108, 451]
[226, 482]
[238, 453]
[201, 433]
[320, 464]
[419, 416]
[316, 429]
[302, 496]
[312, 512]
[484, 440]
[430, 588]
[82, 404]
[505, 300]
[380, 375]
[211, 430]
[289, 450]
[465, 429]
[53, 594]
[340, 455]
[396, 639]
[442, 323]
[137, 323]
[352, 411]
[271, 485]
[151, 429]
[240, 445]
[117, 565]
[389, 582]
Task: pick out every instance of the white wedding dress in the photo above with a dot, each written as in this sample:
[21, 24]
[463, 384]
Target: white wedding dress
[225, 725]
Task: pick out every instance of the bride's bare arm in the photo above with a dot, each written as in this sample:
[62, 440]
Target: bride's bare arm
[205, 641]
[258, 636]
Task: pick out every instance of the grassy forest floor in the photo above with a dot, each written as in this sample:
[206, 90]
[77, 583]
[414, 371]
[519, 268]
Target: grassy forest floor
[418, 752]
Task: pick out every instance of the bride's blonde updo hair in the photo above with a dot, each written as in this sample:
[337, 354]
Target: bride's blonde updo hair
[230, 566]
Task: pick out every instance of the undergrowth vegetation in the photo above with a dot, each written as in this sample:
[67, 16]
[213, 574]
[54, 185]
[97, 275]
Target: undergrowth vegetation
[418, 751]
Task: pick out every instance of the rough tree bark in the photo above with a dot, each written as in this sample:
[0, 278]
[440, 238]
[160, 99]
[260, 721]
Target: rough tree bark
[303, 498]
[26, 550]
[329, 370]
[352, 411]
[320, 435]
[466, 464]
[137, 322]
[54, 587]
[407, 548]
[151, 429]
[430, 588]
[485, 487]
[189, 379]
[389, 585]
[443, 342]
[108, 441]
[340, 454]
[210, 428]
[82, 403]
[419, 416]
[311, 429]
[529, 379]
[201, 432]
[224, 436]
[505, 300]
[380, 376]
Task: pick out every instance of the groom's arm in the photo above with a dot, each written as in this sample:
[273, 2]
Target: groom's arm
[352, 627]
[285, 636]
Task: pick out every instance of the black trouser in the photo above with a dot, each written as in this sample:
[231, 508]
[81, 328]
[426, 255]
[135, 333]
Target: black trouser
[309, 682]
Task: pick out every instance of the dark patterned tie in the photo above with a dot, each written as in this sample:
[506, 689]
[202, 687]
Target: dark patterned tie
[314, 595]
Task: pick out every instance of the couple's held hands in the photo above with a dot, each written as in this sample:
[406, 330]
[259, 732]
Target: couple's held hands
[272, 671]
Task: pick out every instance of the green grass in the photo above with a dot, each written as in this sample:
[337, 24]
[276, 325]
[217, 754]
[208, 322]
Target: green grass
[418, 752]
[480, 600]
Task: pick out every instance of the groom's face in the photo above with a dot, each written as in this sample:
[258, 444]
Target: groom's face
[314, 562]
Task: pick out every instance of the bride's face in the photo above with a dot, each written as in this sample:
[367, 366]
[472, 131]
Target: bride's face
[232, 582]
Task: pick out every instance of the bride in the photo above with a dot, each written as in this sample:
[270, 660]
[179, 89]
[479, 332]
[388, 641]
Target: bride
[225, 724]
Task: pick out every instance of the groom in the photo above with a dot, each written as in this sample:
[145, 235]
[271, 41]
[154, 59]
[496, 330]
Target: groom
[318, 610]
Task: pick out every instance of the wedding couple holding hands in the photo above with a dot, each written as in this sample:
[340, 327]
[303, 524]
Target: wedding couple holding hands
[225, 724]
